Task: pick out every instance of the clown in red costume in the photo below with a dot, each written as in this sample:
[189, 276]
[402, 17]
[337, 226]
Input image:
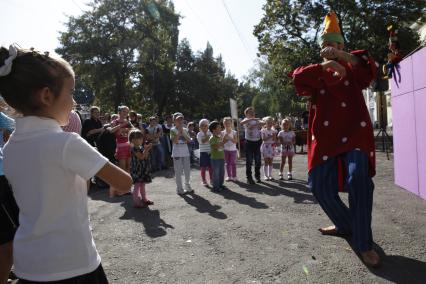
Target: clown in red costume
[340, 137]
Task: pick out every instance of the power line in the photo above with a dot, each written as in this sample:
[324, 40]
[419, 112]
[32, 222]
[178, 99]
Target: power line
[240, 36]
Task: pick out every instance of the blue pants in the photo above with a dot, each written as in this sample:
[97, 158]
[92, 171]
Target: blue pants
[253, 152]
[218, 168]
[356, 219]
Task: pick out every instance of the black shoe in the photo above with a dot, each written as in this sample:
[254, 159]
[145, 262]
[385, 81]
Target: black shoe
[250, 181]
[258, 180]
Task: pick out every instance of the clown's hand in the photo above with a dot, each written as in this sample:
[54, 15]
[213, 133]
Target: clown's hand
[334, 66]
[330, 53]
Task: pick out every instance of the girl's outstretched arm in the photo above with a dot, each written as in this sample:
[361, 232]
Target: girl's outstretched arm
[115, 177]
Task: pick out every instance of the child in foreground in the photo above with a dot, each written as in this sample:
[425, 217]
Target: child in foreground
[269, 137]
[230, 139]
[48, 171]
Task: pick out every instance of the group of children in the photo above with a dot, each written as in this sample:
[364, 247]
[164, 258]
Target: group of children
[218, 149]
[52, 198]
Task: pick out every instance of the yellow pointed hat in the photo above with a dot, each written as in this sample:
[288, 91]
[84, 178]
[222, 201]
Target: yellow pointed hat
[331, 29]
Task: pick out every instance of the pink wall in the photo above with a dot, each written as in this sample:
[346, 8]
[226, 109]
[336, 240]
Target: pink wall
[409, 124]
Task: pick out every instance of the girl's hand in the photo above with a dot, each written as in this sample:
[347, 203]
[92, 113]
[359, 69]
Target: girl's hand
[329, 53]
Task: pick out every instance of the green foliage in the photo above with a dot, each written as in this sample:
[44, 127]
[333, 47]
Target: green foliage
[127, 52]
[289, 31]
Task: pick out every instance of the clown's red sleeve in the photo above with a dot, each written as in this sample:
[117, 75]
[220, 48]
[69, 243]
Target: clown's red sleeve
[366, 70]
[307, 78]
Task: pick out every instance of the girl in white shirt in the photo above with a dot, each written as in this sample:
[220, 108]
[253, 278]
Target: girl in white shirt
[203, 137]
[48, 169]
[269, 137]
[230, 139]
[287, 140]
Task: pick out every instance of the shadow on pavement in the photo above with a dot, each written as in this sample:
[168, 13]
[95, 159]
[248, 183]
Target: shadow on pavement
[396, 268]
[204, 206]
[242, 199]
[154, 226]
[286, 188]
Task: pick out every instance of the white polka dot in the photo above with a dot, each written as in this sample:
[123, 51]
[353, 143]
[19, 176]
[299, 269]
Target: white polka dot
[363, 124]
[346, 83]
[365, 57]
[313, 137]
[377, 64]
[314, 106]
[322, 91]
[344, 139]
[343, 104]
[325, 158]
[335, 74]
[371, 154]
[326, 123]
[357, 149]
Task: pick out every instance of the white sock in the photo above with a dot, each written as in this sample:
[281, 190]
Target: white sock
[269, 170]
[265, 170]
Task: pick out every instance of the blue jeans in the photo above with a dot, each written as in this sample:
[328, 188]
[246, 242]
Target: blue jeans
[157, 157]
[355, 220]
[218, 167]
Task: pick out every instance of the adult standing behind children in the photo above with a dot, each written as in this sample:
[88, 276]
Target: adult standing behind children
[121, 127]
[47, 169]
[340, 137]
[92, 126]
[180, 154]
[252, 126]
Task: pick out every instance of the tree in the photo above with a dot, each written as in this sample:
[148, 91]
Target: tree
[289, 31]
[123, 50]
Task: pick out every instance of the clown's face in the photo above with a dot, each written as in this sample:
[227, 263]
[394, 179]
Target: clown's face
[334, 44]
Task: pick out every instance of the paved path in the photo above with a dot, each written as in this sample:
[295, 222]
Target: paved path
[264, 233]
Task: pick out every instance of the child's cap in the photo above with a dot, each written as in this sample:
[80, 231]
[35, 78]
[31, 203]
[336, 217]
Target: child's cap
[177, 115]
[203, 121]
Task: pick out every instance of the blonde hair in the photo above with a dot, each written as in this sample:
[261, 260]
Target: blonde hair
[290, 123]
[228, 118]
[248, 109]
[203, 121]
[267, 118]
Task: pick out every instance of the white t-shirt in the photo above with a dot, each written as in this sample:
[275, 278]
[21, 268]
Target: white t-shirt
[204, 147]
[287, 136]
[252, 131]
[181, 148]
[268, 133]
[48, 169]
[229, 145]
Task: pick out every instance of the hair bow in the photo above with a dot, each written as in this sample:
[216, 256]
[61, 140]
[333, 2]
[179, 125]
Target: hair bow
[7, 67]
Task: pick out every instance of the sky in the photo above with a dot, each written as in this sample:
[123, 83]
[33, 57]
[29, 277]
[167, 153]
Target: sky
[226, 24]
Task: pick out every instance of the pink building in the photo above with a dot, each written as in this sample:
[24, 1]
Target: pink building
[409, 124]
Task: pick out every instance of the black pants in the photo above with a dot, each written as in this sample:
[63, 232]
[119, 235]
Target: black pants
[253, 152]
[8, 212]
[96, 277]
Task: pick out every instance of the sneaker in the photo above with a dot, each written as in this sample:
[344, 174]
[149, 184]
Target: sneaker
[289, 176]
[271, 178]
[258, 180]
[281, 176]
[188, 189]
[228, 179]
[250, 181]
[266, 178]
[205, 183]
[180, 192]
[148, 202]
[234, 179]
[224, 188]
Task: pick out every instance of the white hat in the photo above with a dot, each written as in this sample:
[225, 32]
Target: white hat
[176, 115]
